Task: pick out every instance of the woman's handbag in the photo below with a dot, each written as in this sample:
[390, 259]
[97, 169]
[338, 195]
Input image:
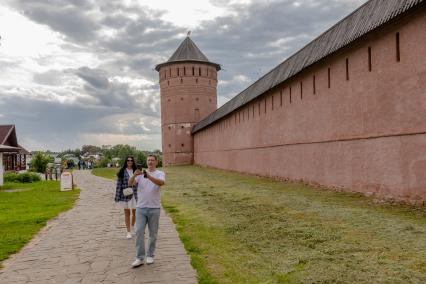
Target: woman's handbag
[128, 191]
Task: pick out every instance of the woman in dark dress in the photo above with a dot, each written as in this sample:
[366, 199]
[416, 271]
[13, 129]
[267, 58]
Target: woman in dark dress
[128, 203]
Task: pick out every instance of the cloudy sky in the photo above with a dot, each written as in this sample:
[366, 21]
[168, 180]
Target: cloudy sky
[76, 72]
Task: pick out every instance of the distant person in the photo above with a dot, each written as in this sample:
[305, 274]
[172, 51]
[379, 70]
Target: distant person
[128, 203]
[147, 209]
[79, 164]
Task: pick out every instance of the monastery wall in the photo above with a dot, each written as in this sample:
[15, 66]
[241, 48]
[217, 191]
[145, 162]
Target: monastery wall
[355, 120]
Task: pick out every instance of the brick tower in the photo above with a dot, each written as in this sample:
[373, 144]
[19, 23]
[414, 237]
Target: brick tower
[188, 82]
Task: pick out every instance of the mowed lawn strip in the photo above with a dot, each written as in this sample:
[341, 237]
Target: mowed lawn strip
[25, 212]
[243, 229]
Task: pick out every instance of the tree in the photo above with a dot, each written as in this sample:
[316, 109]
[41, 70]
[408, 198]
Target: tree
[39, 162]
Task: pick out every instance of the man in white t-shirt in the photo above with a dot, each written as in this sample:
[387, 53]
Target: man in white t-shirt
[147, 209]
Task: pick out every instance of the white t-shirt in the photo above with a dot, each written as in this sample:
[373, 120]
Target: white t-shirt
[129, 172]
[149, 192]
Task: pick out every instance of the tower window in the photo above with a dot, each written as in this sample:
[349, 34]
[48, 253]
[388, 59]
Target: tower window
[181, 81]
[199, 71]
[313, 85]
[182, 145]
[347, 69]
[168, 100]
[168, 83]
[281, 97]
[170, 128]
[184, 71]
[170, 145]
[272, 102]
[301, 90]
[329, 79]
[196, 99]
[398, 53]
[290, 94]
[369, 59]
[193, 70]
[196, 80]
[181, 98]
[181, 126]
[177, 71]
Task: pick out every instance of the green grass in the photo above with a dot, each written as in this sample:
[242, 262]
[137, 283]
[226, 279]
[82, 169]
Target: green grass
[110, 173]
[242, 229]
[24, 213]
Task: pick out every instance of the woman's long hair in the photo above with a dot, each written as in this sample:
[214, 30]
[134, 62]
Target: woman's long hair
[120, 173]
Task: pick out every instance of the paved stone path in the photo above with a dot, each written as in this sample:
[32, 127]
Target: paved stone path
[87, 245]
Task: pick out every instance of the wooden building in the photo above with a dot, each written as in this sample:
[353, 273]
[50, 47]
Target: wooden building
[14, 155]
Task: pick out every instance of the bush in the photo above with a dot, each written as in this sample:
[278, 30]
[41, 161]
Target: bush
[39, 162]
[22, 177]
[10, 177]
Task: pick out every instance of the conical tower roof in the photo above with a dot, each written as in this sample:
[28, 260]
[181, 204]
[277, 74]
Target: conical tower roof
[188, 51]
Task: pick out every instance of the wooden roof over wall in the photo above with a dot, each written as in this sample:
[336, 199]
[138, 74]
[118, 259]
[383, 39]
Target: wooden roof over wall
[368, 17]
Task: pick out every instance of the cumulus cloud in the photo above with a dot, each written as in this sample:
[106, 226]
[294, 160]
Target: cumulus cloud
[94, 77]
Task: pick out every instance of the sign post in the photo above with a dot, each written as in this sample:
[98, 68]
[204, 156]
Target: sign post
[1, 169]
[66, 181]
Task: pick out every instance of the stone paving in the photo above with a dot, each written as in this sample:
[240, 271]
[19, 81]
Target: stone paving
[87, 245]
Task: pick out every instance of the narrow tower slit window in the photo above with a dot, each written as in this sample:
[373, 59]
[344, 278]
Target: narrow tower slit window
[369, 59]
[184, 71]
[301, 90]
[329, 78]
[314, 87]
[253, 110]
[272, 102]
[398, 51]
[347, 69]
[259, 107]
[290, 94]
[199, 71]
[177, 71]
[193, 71]
[281, 98]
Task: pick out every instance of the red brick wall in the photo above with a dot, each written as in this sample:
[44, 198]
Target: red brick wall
[186, 97]
[365, 134]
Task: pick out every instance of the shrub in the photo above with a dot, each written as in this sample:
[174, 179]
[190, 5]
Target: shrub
[10, 177]
[39, 162]
[22, 177]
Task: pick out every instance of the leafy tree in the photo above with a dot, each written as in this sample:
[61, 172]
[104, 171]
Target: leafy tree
[90, 149]
[39, 162]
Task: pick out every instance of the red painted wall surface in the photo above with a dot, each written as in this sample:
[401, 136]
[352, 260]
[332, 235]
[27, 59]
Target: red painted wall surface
[365, 132]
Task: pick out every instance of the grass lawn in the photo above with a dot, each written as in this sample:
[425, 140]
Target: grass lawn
[24, 213]
[242, 229]
[110, 173]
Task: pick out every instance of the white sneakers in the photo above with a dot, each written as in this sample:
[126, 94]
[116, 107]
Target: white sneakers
[137, 262]
[149, 260]
[129, 235]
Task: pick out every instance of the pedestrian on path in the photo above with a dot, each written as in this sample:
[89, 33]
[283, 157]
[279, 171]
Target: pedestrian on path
[147, 209]
[128, 203]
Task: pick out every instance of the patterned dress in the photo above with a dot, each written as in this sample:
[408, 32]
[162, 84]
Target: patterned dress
[123, 183]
